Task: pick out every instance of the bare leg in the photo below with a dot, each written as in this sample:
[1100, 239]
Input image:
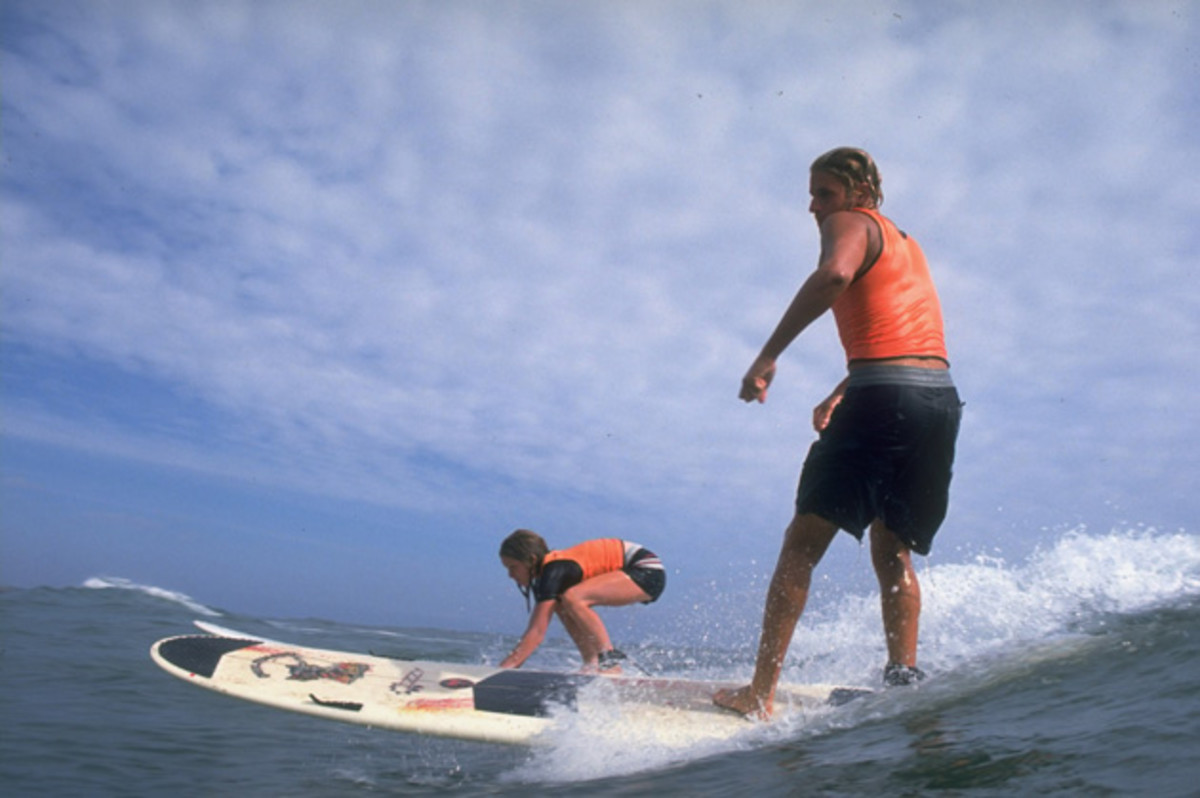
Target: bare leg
[590, 637]
[899, 592]
[613, 589]
[804, 543]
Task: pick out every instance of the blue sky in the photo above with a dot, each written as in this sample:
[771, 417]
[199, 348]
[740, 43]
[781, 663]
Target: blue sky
[306, 305]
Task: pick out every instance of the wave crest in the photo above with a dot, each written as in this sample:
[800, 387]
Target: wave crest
[120, 583]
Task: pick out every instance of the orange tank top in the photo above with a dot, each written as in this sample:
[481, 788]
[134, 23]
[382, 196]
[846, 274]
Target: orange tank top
[891, 309]
[595, 557]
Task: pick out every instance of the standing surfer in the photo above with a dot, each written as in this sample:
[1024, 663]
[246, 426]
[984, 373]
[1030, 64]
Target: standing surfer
[887, 432]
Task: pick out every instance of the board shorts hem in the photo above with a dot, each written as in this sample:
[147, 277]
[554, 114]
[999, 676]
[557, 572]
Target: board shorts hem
[886, 455]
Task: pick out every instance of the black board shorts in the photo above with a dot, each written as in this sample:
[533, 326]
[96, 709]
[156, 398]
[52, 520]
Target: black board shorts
[647, 572]
[887, 454]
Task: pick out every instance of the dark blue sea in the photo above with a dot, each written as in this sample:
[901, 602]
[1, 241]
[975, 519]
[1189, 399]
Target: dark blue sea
[1076, 672]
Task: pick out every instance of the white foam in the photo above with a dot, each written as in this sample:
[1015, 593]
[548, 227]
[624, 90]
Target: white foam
[606, 739]
[1064, 588]
[119, 583]
[975, 608]
[975, 616]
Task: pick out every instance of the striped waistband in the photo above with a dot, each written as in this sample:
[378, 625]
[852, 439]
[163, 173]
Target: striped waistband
[899, 375]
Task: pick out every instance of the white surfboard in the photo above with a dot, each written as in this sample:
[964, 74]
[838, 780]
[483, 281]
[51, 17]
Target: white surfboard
[467, 702]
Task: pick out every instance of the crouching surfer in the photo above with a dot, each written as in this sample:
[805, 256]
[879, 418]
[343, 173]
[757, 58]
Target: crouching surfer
[607, 572]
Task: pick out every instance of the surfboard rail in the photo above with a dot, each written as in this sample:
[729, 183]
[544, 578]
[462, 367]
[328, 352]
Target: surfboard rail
[467, 702]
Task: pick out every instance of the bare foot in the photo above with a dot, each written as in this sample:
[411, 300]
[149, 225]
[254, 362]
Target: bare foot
[744, 702]
[595, 669]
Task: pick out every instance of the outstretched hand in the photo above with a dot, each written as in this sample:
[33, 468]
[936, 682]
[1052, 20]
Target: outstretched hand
[757, 380]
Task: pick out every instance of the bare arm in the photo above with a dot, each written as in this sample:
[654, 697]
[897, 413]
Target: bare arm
[845, 243]
[535, 633]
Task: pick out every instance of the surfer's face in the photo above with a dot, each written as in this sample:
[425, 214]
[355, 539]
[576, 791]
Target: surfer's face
[829, 195]
[518, 571]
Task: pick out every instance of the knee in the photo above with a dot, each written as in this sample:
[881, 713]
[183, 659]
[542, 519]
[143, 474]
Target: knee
[887, 550]
[898, 580]
[570, 602]
[890, 565]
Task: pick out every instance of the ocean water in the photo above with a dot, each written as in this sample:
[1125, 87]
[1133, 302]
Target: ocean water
[1076, 672]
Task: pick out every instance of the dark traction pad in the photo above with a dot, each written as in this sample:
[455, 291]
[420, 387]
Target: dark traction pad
[200, 655]
[531, 693]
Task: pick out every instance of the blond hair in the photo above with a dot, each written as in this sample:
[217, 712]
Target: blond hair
[856, 170]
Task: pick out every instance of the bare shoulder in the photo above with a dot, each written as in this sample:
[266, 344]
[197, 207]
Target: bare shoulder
[849, 221]
[849, 228]
[851, 239]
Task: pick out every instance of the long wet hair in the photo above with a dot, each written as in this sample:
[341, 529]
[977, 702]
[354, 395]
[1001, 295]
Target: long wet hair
[855, 169]
[527, 547]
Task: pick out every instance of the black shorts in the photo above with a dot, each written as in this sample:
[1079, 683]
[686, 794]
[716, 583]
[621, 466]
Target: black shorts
[647, 572]
[887, 454]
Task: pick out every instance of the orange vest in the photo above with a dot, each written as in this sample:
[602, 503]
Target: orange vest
[892, 309]
[595, 557]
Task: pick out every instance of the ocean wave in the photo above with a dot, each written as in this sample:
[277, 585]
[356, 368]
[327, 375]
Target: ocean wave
[1073, 585]
[1067, 585]
[119, 583]
[984, 622]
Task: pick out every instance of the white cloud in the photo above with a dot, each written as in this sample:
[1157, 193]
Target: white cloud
[541, 241]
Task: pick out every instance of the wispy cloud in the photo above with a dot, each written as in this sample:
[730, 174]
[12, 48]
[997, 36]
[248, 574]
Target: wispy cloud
[538, 243]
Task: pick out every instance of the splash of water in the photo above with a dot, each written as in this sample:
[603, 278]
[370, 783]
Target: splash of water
[977, 618]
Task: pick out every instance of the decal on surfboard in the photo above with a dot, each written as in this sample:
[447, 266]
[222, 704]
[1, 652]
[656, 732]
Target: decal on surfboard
[411, 683]
[300, 670]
